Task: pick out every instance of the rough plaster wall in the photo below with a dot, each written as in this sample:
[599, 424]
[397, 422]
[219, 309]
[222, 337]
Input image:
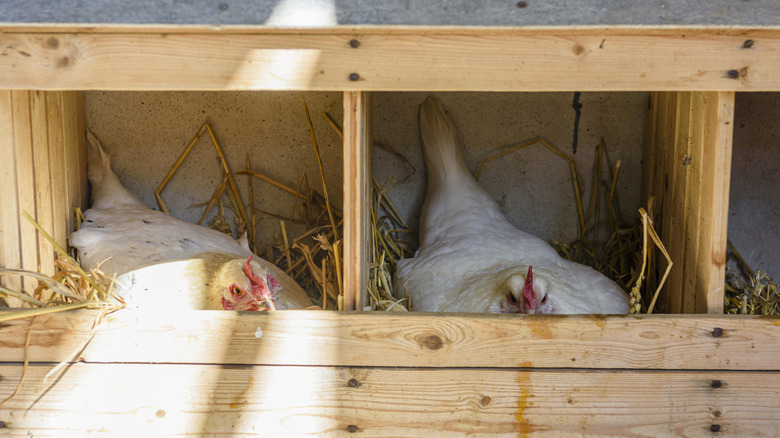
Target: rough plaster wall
[146, 132]
[533, 185]
[754, 199]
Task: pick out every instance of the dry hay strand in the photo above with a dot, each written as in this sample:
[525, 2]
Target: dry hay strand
[748, 292]
[391, 238]
[70, 288]
[622, 253]
[313, 258]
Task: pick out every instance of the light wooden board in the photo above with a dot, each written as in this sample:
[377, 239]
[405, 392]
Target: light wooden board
[209, 400]
[43, 212]
[357, 197]
[408, 340]
[25, 183]
[689, 173]
[10, 248]
[391, 58]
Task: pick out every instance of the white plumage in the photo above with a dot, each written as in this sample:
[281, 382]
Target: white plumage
[471, 259]
[163, 262]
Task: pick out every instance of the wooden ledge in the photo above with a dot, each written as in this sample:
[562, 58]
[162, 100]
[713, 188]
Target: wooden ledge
[369, 339]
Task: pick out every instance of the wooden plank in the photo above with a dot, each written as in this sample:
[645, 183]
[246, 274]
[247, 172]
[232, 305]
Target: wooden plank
[208, 400]
[75, 154]
[717, 119]
[388, 58]
[357, 197]
[25, 180]
[10, 246]
[409, 340]
[680, 164]
[56, 147]
[43, 213]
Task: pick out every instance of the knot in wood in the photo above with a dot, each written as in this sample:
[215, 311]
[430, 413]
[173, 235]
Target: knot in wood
[430, 342]
[485, 401]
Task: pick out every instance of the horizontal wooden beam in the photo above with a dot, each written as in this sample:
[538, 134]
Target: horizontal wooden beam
[390, 58]
[408, 340]
[210, 400]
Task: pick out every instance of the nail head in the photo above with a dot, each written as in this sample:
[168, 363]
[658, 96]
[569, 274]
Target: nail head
[352, 428]
[352, 383]
[733, 74]
[747, 44]
[716, 384]
[715, 427]
[354, 43]
[717, 332]
[354, 77]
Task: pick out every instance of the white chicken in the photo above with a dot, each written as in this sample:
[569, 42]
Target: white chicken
[164, 263]
[471, 259]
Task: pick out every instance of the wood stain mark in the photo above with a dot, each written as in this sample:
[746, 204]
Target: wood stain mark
[523, 403]
[239, 400]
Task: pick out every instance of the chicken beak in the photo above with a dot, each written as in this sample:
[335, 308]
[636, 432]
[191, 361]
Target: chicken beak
[269, 303]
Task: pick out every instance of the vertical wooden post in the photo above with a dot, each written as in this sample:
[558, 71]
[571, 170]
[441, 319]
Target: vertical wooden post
[357, 196]
[688, 168]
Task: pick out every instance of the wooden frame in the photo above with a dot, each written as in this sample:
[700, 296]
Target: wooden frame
[330, 373]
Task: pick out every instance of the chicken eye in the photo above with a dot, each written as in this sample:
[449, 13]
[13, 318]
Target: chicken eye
[544, 300]
[237, 291]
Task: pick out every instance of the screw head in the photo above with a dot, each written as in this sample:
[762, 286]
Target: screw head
[747, 44]
[354, 44]
[715, 427]
[354, 77]
[733, 74]
[716, 384]
[352, 383]
[717, 332]
[352, 428]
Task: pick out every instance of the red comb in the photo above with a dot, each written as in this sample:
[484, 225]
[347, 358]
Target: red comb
[528, 290]
[259, 287]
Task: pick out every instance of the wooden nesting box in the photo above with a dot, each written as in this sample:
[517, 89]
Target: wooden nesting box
[379, 374]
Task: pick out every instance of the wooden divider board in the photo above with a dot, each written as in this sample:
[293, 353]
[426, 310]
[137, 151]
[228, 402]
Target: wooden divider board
[389, 58]
[687, 172]
[358, 145]
[42, 161]
[136, 400]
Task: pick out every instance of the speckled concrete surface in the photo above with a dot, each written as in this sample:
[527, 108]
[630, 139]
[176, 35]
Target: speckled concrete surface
[316, 13]
[754, 198]
[146, 132]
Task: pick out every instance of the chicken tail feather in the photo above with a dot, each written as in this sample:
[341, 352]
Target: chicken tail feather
[107, 190]
[443, 156]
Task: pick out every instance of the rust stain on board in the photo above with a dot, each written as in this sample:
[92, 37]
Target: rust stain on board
[239, 398]
[523, 403]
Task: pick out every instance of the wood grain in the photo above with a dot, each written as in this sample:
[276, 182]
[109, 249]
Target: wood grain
[689, 176]
[410, 340]
[357, 197]
[390, 59]
[210, 400]
[10, 249]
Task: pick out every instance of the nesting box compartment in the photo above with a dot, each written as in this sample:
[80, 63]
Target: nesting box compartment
[379, 374]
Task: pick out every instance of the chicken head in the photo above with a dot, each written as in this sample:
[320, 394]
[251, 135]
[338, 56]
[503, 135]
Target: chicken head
[526, 295]
[242, 289]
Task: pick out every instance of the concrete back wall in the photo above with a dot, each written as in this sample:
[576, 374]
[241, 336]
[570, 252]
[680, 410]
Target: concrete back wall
[147, 131]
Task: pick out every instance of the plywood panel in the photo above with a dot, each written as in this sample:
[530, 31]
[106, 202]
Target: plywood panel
[357, 197]
[407, 340]
[392, 58]
[209, 400]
